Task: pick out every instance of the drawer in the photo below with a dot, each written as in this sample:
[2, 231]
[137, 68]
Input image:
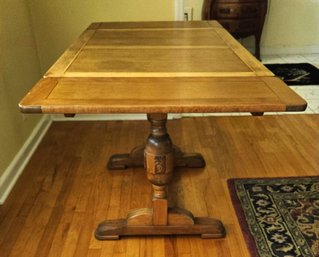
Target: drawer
[239, 26]
[248, 10]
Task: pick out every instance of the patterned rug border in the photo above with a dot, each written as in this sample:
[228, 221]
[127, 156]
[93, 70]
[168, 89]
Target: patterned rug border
[250, 241]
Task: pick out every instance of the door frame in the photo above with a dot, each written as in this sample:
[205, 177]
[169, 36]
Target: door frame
[178, 10]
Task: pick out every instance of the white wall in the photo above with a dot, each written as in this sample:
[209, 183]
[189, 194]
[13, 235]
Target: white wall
[19, 70]
[57, 23]
[292, 24]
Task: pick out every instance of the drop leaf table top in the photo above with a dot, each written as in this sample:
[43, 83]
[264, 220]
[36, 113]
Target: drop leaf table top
[158, 67]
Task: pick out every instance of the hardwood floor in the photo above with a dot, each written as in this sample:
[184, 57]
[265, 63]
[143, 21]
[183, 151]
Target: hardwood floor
[66, 190]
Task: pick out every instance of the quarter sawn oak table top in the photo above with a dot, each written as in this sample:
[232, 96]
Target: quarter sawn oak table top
[158, 67]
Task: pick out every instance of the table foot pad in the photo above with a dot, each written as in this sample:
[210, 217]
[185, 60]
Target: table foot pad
[206, 227]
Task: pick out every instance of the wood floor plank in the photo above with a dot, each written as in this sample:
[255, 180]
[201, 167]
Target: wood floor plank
[94, 253]
[66, 190]
[55, 231]
[38, 220]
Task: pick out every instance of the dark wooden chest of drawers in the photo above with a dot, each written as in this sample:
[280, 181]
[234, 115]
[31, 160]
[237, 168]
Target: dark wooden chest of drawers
[241, 18]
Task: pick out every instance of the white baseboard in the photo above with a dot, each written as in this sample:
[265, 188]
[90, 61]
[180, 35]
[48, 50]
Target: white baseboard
[14, 170]
[89, 117]
[289, 50]
[92, 117]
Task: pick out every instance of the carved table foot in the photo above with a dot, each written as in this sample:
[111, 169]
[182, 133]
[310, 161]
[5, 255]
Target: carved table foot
[135, 159]
[140, 222]
[189, 160]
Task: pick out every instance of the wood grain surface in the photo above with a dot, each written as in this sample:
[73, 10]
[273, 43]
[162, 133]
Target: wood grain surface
[147, 67]
[151, 95]
[65, 190]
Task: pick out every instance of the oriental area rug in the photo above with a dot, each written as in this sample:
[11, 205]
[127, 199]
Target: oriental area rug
[278, 217]
[301, 74]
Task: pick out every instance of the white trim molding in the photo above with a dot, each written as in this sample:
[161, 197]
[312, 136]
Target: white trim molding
[14, 170]
[293, 50]
[289, 50]
[93, 117]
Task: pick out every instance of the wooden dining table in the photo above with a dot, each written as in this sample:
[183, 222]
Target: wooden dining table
[156, 68]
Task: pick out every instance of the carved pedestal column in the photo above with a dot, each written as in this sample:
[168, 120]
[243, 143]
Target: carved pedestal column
[159, 164]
